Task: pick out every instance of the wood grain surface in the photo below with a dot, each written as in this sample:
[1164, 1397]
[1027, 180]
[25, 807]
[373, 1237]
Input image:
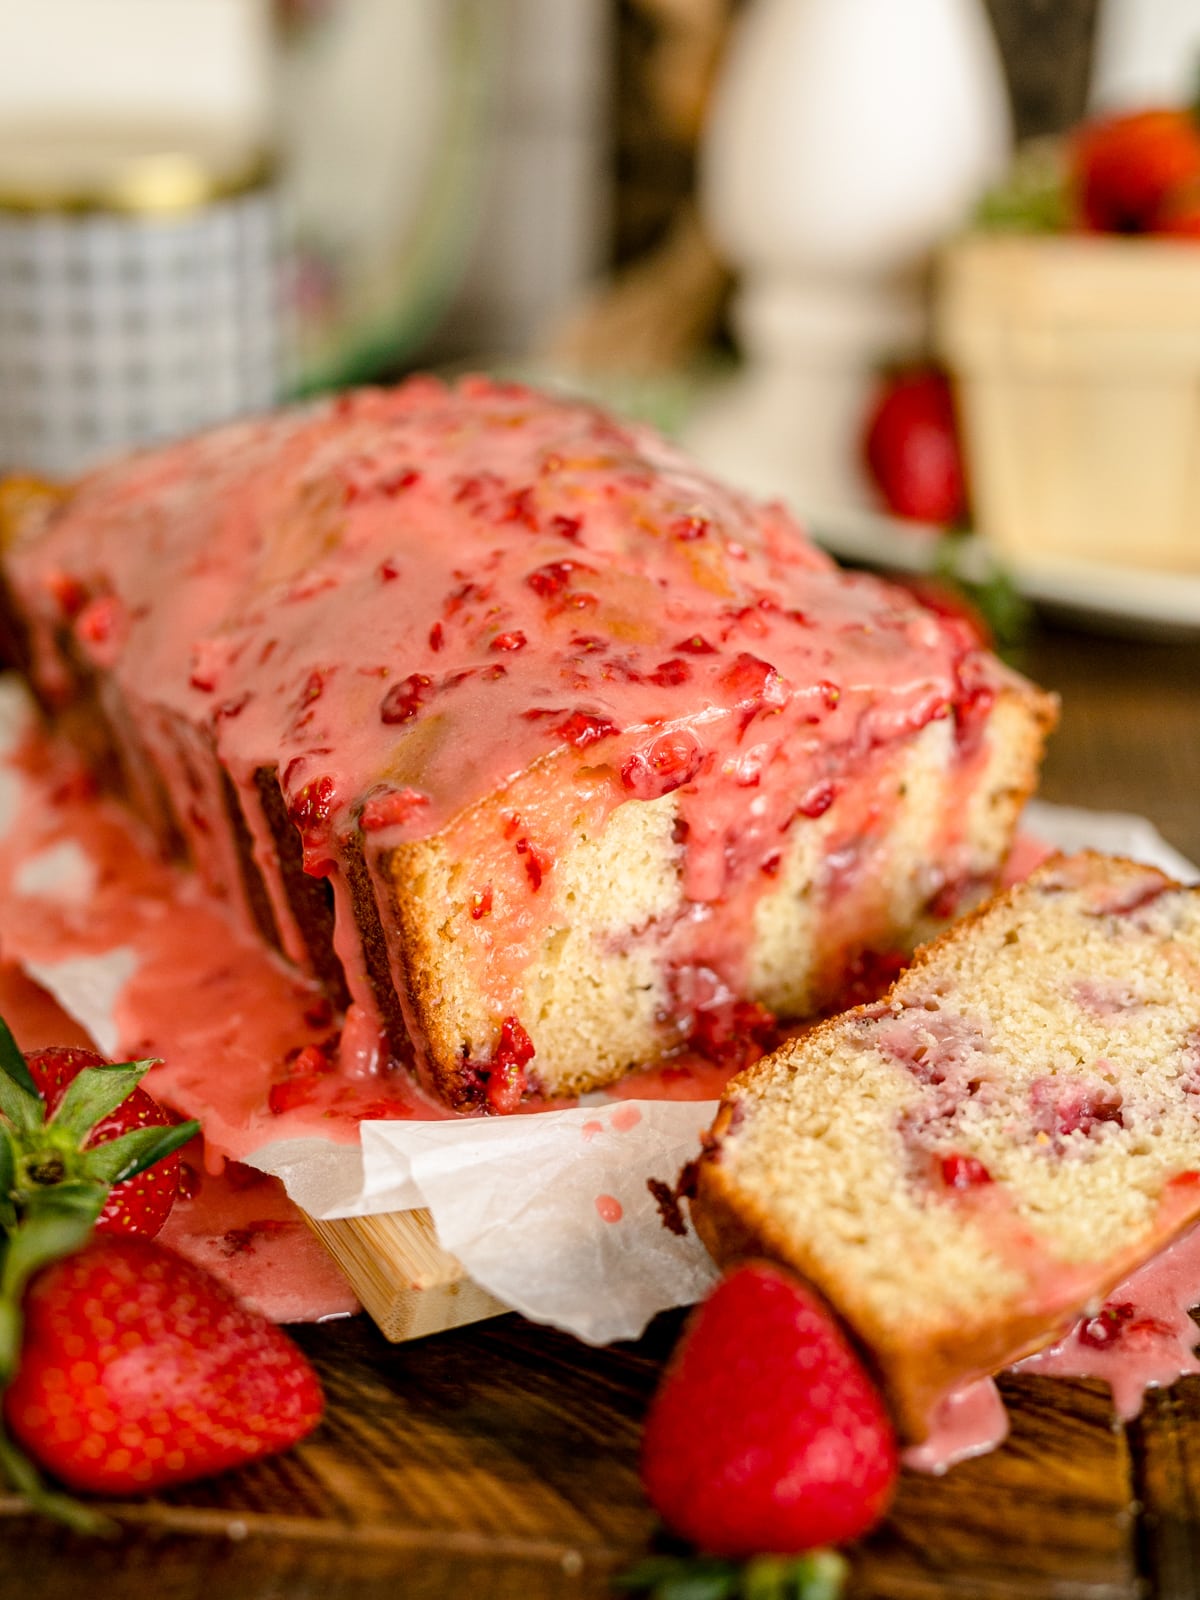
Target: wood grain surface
[500, 1459]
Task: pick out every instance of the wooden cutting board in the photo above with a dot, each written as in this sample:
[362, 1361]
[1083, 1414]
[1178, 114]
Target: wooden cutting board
[501, 1460]
[408, 1284]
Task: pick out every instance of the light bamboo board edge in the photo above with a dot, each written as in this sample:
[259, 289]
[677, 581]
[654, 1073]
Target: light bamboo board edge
[407, 1283]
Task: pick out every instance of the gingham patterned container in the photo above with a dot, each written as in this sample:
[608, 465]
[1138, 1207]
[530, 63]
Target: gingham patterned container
[119, 327]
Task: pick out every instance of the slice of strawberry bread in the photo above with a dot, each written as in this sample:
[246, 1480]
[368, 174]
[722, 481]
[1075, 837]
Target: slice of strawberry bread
[966, 1165]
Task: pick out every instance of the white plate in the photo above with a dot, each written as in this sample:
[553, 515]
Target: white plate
[1118, 599]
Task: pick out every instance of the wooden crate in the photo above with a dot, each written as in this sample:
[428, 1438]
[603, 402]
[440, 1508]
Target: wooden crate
[1078, 366]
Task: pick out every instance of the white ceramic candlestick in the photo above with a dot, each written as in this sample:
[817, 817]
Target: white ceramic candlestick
[847, 137]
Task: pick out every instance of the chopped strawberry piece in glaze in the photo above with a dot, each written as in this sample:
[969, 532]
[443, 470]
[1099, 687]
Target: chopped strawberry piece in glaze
[404, 700]
[582, 728]
[1105, 1327]
[391, 808]
[665, 764]
[507, 1080]
[734, 1033]
[312, 808]
[668, 674]
[537, 862]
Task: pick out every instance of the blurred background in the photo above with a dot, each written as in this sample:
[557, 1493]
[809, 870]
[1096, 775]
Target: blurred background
[854, 253]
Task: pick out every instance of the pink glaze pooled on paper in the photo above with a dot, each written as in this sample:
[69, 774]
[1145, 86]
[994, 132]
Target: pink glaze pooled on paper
[232, 1022]
[237, 1223]
[402, 600]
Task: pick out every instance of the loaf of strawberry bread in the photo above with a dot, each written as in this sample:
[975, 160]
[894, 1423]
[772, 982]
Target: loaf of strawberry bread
[967, 1165]
[542, 751]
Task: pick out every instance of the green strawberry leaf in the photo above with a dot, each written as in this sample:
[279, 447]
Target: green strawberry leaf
[8, 1179]
[819, 1575]
[24, 1111]
[681, 1578]
[96, 1092]
[124, 1157]
[1035, 194]
[12, 1062]
[989, 587]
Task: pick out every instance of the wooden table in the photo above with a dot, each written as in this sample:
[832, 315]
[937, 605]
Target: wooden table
[500, 1460]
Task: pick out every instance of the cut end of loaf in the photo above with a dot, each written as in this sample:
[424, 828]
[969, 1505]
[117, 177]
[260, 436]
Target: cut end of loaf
[616, 972]
[964, 1166]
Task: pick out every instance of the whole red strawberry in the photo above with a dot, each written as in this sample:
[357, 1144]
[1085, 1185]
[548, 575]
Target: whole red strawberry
[1128, 171]
[912, 449]
[138, 1369]
[766, 1434]
[142, 1203]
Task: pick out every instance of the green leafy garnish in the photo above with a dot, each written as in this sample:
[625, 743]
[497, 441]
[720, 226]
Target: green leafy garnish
[1035, 194]
[987, 586]
[819, 1575]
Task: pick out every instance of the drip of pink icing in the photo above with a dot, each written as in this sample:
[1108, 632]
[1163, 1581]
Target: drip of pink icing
[1148, 1343]
[242, 1227]
[609, 1208]
[362, 591]
[969, 1421]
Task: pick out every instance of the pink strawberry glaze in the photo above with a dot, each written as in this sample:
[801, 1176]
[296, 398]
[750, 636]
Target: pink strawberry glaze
[1026, 855]
[365, 589]
[239, 1224]
[969, 1421]
[242, 1227]
[205, 995]
[1154, 1344]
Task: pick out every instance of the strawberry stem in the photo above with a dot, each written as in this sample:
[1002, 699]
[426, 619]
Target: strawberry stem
[818, 1575]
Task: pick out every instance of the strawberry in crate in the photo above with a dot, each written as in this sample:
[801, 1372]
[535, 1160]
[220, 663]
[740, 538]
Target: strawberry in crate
[124, 1367]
